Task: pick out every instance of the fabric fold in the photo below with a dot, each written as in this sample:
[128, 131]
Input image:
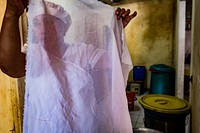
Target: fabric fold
[75, 75]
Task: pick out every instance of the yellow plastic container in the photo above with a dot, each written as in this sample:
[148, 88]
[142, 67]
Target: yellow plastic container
[165, 113]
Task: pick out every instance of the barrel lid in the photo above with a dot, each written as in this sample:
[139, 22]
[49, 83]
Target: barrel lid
[162, 67]
[164, 104]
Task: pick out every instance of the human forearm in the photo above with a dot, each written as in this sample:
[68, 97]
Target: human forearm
[12, 61]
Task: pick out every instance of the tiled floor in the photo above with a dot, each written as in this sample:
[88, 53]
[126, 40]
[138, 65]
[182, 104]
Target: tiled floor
[137, 115]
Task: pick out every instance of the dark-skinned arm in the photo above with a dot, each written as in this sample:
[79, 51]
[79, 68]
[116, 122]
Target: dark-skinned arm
[12, 60]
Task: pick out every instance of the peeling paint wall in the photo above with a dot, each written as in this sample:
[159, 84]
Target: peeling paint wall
[150, 36]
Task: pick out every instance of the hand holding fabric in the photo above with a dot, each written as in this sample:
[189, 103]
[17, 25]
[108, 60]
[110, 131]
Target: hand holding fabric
[125, 15]
[16, 7]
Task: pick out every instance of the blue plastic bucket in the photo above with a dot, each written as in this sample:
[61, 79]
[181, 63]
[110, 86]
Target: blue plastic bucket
[139, 73]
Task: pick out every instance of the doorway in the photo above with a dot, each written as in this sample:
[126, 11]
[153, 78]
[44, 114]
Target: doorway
[188, 35]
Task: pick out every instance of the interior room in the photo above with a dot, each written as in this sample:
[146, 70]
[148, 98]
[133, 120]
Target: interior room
[161, 34]
[165, 32]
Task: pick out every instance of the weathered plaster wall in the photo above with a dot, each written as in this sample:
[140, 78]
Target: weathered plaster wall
[195, 89]
[150, 36]
[9, 114]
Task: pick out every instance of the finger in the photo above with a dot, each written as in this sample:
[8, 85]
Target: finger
[133, 15]
[118, 10]
[126, 13]
[120, 13]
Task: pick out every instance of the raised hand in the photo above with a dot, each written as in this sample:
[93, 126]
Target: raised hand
[15, 7]
[125, 15]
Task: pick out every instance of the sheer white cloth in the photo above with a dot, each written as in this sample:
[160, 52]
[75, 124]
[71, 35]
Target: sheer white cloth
[77, 67]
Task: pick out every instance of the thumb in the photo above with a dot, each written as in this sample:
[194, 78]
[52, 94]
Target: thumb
[133, 15]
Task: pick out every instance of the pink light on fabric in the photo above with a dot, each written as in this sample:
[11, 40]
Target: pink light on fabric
[75, 81]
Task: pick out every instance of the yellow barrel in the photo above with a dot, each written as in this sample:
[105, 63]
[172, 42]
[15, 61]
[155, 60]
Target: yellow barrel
[165, 113]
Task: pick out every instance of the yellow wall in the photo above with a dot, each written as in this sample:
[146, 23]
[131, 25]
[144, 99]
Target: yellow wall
[9, 105]
[150, 36]
[2, 11]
